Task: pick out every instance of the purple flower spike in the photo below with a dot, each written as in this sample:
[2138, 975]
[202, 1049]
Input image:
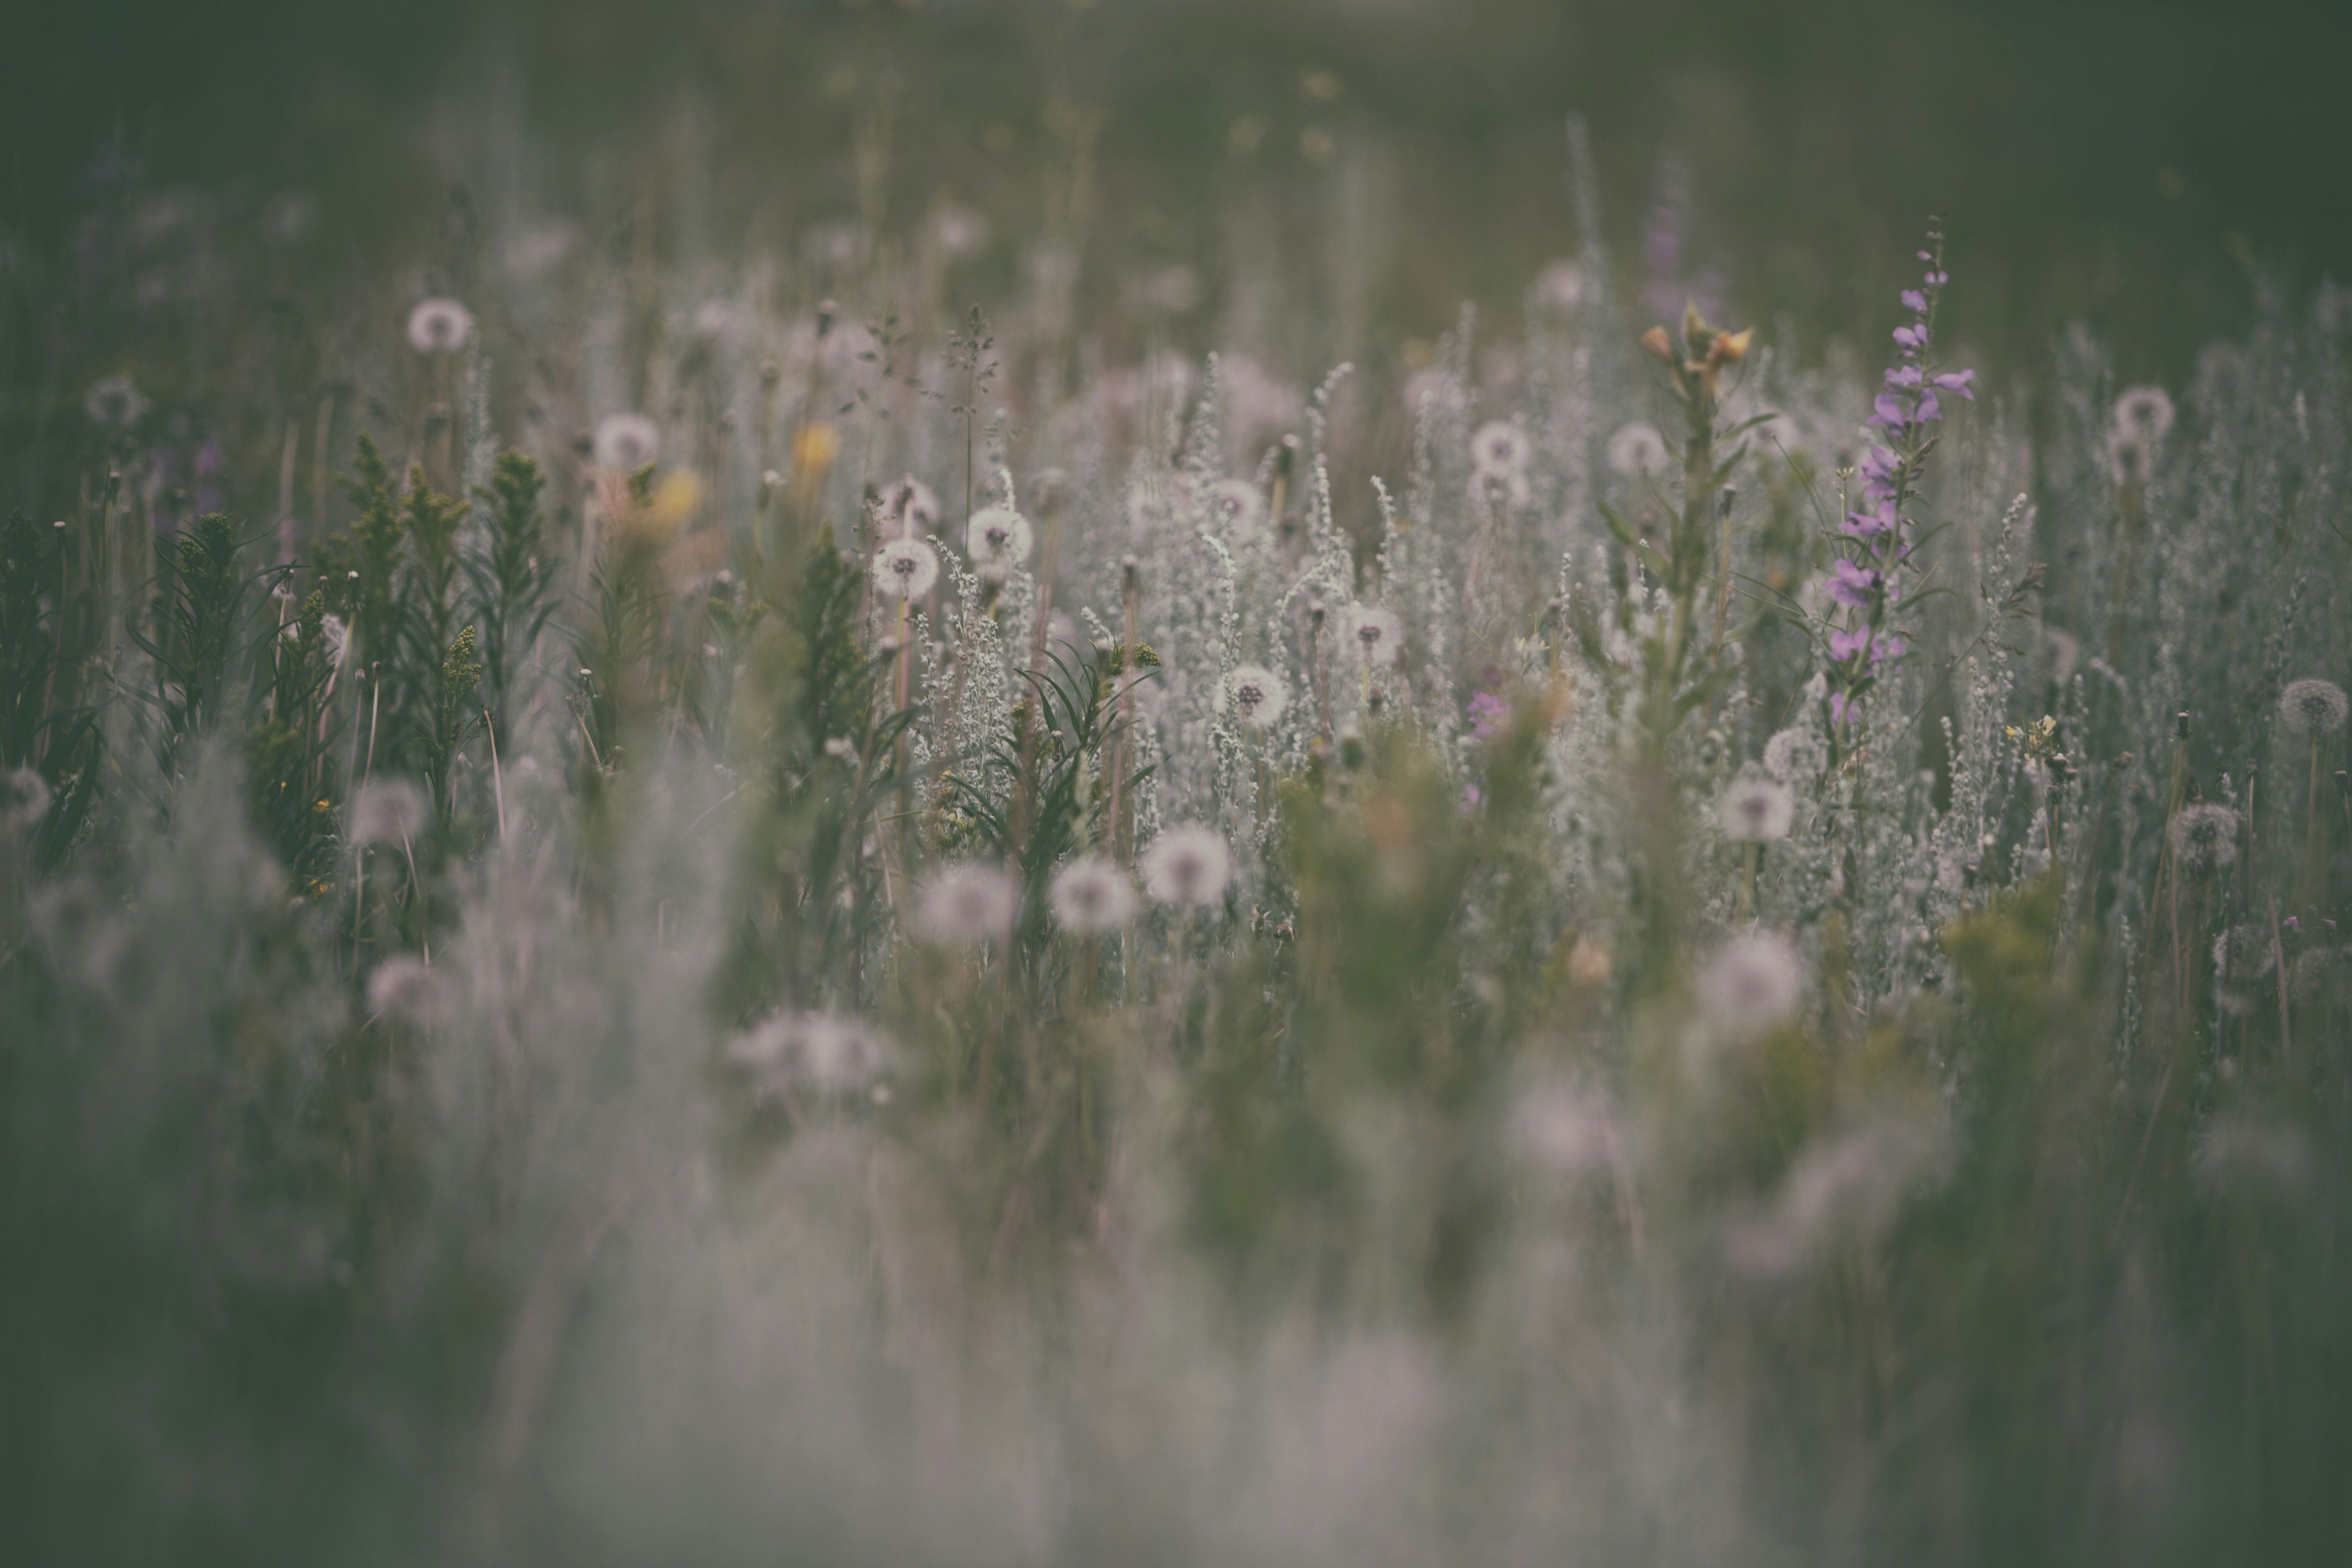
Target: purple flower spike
[1930, 408]
[1852, 585]
[1870, 524]
[1903, 377]
[1888, 410]
[1916, 300]
[1912, 337]
[1957, 381]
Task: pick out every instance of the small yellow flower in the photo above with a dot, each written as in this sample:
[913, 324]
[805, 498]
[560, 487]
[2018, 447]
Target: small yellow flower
[813, 450]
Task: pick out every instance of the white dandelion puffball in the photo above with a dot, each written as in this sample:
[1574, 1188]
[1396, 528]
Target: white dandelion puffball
[2244, 952]
[1561, 285]
[958, 231]
[335, 639]
[114, 402]
[968, 901]
[1793, 754]
[907, 509]
[1187, 865]
[998, 536]
[386, 811]
[1757, 810]
[1373, 635]
[2312, 707]
[1091, 895]
[408, 989]
[818, 1050]
[905, 569]
[1237, 508]
[24, 798]
[1500, 446]
[626, 442]
[439, 326]
[2205, 837]
[2143, 414]
[1637, 448]
[1257, 695]
[1751, 984]
[1508, 489]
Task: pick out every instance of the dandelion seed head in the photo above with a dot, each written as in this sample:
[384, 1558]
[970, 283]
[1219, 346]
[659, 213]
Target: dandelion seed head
[786, 1052]
[1506, 489]
[1188, 864]
[406, 988]
[1373, 635]
[998, 536]
[968, 901]
[1091, 895]
[1237, 508]
[2312, 707]
[24, 798]
[2127, 458]
[1750, 985]
[115, 402]
[2144, 414]
[2244, 952]
[2318, 975]
[1500, 446]
[439, 326]
[2205, 838]
[1257, 695]
[1793, 755]
[626, 442]
[1757, 810]
[905, 569]
[386, 811]
[1637, 448]
[907, 509]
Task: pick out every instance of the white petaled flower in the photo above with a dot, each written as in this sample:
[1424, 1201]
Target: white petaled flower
[2312, 707]
[626, 442]
[906, 568]
[1091, 895]
[998, 536]
[439, 326]
[386, 811]
[968, 901]
[2205, 837]
[1757, 810]
[818, 1050]
[1637, 448]
[1257, 695]
[115, 402]
[1793, 754]
[1751, 984]
[1500, 446]
[24, 797]
[404, 986]
[2143, 414]
[907, 509]
[1188, 864]
[1237, 508]
[1373, 635]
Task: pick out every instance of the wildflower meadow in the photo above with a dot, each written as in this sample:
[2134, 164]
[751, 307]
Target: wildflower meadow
[871, 890]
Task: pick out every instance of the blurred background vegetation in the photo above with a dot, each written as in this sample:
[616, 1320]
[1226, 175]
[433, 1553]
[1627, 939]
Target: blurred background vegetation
[2143, 166]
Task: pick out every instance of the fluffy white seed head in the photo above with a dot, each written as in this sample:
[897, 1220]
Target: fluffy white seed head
[386, 811]
[115, 402]
[1750, 985]
[968, 901]
[1237, 509]
[1091, 895]
[2143, 414]
[439, 326]
[1499, 446]
[2311, 708]
[1255, 695]
[905, 569]
[1187, 865]
[1371, 635]
[1795, 757]
[1637, 448]
[907, 509]
[786, 1052]
[2205, 838]
[998, 536]
[1757, 810]
[626, 442]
